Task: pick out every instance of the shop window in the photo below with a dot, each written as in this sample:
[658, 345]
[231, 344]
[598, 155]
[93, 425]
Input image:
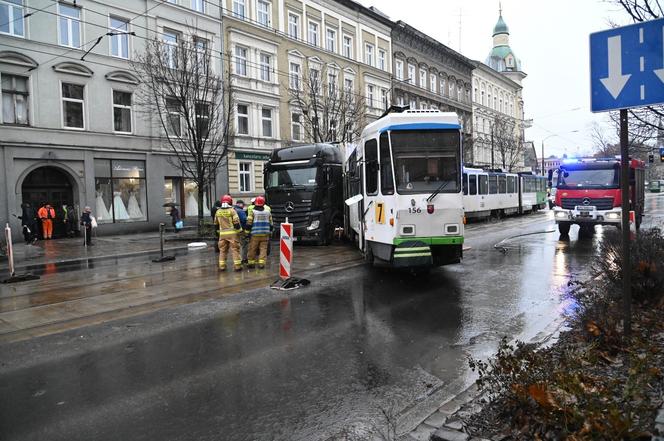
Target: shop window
[190, 208]
[121, 194]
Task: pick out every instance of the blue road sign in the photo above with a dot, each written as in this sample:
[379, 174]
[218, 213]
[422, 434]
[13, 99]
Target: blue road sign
[627, 66]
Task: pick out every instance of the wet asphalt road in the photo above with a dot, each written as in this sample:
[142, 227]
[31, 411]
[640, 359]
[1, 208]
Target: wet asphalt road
[297, 366]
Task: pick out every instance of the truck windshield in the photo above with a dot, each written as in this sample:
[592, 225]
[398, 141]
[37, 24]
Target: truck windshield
[292, 177]
[589, 178]
[426, 160]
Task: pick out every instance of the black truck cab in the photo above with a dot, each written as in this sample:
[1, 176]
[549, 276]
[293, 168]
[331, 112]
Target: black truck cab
[305, 184]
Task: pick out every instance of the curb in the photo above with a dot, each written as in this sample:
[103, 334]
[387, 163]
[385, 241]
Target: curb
[446, 423]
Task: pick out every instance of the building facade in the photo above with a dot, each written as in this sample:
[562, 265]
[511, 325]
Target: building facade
[71, 132]
[498, 108]
[274, 46]
[429, 75]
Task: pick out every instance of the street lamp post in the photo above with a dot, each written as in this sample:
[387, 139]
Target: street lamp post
[551, 136]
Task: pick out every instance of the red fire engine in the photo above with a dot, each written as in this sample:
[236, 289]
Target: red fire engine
[588, 193]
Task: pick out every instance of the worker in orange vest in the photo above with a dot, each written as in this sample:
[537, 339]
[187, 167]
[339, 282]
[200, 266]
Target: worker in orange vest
[46, 214]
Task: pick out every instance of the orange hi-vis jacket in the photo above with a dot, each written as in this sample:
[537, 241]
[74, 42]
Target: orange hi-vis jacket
[46, 213]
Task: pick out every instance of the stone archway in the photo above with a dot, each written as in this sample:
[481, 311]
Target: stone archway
[53, 185]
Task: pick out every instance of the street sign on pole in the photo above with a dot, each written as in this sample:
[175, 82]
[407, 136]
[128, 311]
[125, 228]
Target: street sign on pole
[627, 71]
[627, 66]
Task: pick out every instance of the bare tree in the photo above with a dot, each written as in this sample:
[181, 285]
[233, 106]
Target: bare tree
[507, 142]
[191, 103]
[603, 143]
[330, 111]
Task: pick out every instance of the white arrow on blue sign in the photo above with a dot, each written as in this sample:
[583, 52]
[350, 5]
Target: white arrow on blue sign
[627, 66]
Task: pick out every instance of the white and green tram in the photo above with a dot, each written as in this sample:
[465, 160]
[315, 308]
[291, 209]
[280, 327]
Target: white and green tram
[404, 200]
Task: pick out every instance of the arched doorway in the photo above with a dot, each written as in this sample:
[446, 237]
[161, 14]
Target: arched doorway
[51, 185]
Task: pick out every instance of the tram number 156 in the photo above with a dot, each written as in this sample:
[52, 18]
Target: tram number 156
[415, 210]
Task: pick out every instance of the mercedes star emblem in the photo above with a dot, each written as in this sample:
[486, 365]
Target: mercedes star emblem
[586, 201]
[289, 206]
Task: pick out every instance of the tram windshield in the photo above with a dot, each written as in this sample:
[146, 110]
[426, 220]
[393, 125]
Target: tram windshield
[292, 177]
[426, 160]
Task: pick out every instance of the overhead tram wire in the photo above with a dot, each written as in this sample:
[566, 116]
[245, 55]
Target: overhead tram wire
[94, 39]
[221, 57]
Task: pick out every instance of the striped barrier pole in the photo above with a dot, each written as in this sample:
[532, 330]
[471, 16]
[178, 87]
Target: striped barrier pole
[285, 250]
[10, 251]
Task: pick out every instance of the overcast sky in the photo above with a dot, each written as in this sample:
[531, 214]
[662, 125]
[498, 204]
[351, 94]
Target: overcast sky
[551, 39]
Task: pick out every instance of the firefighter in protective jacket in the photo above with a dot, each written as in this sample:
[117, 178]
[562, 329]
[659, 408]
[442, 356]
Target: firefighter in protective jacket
[260, 222]
[229, 226]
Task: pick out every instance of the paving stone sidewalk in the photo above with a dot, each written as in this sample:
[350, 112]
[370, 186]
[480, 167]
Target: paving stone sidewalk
[45, 252]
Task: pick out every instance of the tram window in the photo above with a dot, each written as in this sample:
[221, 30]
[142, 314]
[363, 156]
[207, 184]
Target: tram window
[511, 184]
[465, 183]
[472, 184]
[386, 179]
[502, 184]
[493, 184]
[484, 184]
[371, 166]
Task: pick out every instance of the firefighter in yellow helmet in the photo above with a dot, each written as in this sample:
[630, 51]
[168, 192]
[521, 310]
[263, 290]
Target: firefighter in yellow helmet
[229, 226]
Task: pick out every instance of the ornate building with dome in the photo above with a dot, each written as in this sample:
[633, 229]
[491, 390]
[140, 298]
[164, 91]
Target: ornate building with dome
[498, 115]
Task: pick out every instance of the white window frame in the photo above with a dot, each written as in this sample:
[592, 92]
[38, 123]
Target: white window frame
[267, 15]
[369, 54]
[123, 41]
[383, 98]
[70, 25]
[198, 6]
[122, 106]
[265, 68]
[332, 82]
[171, 114]
[240, 9]
[313, 33]
[13, 93]
[270, 119]
[349, 85]
[423, 78]
[398, 65]
[241, 61]
[348, 46]
[14, 17]
[411, 74]
[249, 173]
[299, 125]
[433, 82]
[331, 39]
[382, 60]
[239, 115]
[293, 26]
[74, 100]
[370, 95]
[294, 78]
[171, 47]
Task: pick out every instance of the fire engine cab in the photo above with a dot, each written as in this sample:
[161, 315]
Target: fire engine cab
[588, 193]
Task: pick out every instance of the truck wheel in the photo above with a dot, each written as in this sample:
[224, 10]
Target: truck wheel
[564, 227]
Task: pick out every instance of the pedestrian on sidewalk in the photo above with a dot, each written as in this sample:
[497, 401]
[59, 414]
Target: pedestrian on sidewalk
[87, 221]
[175, 218]
[70, 221]
[260, 223]
[229, 228]
[244, 234]
[46, 215]
[29, 223]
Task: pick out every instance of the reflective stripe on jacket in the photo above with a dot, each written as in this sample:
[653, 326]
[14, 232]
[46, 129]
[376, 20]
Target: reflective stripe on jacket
[260, 221]
[228, 221]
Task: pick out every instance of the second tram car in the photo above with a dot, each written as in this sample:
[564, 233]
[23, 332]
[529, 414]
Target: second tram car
[403, 190]
[492, 193]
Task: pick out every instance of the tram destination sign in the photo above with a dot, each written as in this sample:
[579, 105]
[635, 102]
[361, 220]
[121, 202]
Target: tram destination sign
[627, 66]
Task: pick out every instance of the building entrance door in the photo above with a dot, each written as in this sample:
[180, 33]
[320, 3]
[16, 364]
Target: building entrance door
[49, 185]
